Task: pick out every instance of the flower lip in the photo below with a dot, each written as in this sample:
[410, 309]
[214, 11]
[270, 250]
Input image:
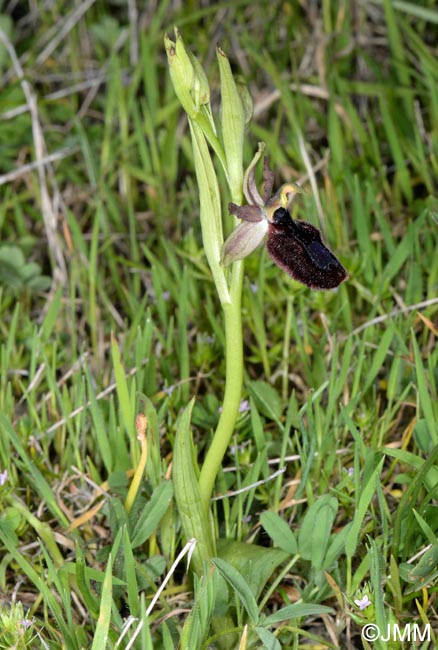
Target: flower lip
[297, 248]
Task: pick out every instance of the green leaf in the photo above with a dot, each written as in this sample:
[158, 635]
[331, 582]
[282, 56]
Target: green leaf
[240, 587]
[267, 399]
[256, 563]
[100, 427]
[195, 520]
[422, 573]
[7, 26]
[181, 71]
[316, 530]
[270, 642]
[279, 531]
[152, 513]
[167, 638]
[17, 274]
[336, 546]
[297, 610]
[376, 564]
[404, 249]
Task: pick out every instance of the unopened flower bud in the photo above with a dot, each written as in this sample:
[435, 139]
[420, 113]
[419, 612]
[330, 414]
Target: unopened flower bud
[182, 72]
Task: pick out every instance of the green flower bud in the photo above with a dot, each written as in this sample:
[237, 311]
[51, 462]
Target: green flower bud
[182, 72]
[201, 88]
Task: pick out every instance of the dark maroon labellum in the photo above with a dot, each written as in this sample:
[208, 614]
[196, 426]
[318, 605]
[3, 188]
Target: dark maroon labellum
[297, 248]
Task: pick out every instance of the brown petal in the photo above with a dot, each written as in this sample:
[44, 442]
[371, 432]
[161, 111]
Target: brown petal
[249, 185]
[268, 179]
[246, 212]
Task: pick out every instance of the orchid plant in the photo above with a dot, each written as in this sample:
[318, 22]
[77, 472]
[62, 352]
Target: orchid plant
[295, 246]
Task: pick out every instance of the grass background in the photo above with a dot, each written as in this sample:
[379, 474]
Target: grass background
[108, 309]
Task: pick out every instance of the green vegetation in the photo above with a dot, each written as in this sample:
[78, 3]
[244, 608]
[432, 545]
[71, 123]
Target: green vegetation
[323, 515]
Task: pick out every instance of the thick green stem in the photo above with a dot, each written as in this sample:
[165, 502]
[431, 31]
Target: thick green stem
[191, 86]
[233, 387]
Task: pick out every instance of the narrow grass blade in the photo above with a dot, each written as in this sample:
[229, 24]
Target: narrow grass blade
[126, 408]
[83, 583]
[100, 639]
[38, 482]
[41, 586]
[379, 356]
[103, 442]
[130, 575]
[423, 393]
[404, 514]
[52, 314]
[376, 581]
[361, 510]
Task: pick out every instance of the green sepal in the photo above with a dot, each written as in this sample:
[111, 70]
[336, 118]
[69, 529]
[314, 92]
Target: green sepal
[244, 239]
